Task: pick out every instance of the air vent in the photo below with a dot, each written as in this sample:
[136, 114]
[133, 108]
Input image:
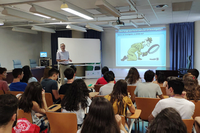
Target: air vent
[181, 6]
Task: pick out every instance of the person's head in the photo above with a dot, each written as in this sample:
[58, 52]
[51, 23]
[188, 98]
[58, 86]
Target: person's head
[3, 73]
[33, 92]
[76, 94]
[133, 75]
[27, 74]
[119, 91]
[101, 118]
[109, 76]
[174, 87]
[73, 67]
[62, 46]
[8, 109]
[167, 121]
[46, 72]
[69, 73]
[191, 86]
[194, 72]
[53, 73]
[104, 70]
[149, 75]
[18, 73]
[161, 78]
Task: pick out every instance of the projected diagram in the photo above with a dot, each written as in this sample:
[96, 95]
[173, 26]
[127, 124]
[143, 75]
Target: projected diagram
[134, 53]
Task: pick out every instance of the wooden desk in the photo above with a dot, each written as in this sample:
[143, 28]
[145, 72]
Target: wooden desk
[92, 94]
[55, 109]
[37, 73]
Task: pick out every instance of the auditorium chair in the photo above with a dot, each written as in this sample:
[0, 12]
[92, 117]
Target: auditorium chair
[131, 90]
[33, 63]
[22, 114]
[14, 92]
[97, 87]
[17, 64]
[163, 89]
[189, 124]
[1, 92]
[62, 122]
[62, 96]
[197, 108]
[49, 99]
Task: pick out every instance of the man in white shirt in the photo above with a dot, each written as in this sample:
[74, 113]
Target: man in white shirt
[107, 88]
[63, 59]
[148, 89]
[184, 107]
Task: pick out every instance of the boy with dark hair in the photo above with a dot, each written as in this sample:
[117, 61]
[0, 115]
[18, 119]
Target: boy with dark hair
[69, 74]
[16, 85]
[148, 89]
[8, 111]
[3, 75]
[174, 90]
[108, 88]
[50, 85]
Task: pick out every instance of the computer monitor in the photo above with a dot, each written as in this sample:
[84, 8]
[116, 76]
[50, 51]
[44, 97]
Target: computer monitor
[43, 54]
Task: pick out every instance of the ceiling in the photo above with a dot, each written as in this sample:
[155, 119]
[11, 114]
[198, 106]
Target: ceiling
[174, 13]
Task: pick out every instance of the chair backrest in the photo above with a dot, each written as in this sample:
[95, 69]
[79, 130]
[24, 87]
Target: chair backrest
[17, 64]
[62, 122]
[62, 96]
[99, 95]
[131, 90]
[197, 108]
[189, 124]
[22, 114]
[49, 99]
[146, 105]
[14, 92]
[97, 87]
[33, 63]
[163, 89]
[1, 92]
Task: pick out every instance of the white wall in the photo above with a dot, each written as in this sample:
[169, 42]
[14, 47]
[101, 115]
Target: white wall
[197, 46]
[46, 43]
[22, 46]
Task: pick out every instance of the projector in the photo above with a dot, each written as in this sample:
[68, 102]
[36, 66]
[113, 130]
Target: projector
[118, 23]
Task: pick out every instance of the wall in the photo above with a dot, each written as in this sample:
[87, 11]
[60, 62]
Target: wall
[197, 45]
[46, 43]
[16, 45]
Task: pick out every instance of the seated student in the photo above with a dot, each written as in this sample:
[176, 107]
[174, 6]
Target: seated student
[194, 72]
[28, 77]
[33, 100]
[119, 98]
[16, 85]
[50, 85]
[107, 88]
[46, 73]
[161, 79]
[8, 112]
[3, 75]
[69, 74]
[184, 107]
[192, 89]
[133, 77]
[167, 121]
[148, 89]
[76, 100]
[101, 118]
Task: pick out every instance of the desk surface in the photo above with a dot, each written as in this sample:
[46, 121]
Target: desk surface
[56, 108]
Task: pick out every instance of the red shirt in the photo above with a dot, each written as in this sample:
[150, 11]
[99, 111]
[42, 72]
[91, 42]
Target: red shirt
[102, 81]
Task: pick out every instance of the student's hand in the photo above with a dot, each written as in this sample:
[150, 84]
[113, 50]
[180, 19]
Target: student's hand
[43, 92]
[118, 119]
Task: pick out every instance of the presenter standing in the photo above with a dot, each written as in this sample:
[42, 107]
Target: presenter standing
[63, 59]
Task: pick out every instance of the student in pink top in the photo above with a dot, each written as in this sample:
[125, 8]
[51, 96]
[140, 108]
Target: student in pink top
[3, 75]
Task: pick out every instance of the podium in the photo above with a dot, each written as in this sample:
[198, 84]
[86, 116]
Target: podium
[45, 61]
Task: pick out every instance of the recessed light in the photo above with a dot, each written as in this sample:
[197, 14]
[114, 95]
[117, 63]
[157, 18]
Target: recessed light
[161, 6]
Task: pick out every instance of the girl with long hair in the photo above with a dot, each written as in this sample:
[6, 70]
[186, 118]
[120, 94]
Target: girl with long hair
[76, 100]
[119, 98]
[46, 73]
[101, 118]
[28, 77]
[133, 76]
[33, 100]
[191, 86]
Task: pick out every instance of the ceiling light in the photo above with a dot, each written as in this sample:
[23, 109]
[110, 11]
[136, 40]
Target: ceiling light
[40, 15]
[1, 22]
[74, 27]
[134, 24]
[43, 29]
[24, 30]
[108, 7]
[132, 5]
[94, 27]
[21, 14]
[68, 7]
[44, 12]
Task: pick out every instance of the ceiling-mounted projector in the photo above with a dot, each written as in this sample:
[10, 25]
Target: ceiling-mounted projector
[118, 23]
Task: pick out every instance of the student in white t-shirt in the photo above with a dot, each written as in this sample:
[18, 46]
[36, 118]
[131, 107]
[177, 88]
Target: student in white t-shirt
[176, 101]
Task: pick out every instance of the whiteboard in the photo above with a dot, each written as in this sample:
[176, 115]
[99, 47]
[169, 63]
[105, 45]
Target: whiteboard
[82, 50]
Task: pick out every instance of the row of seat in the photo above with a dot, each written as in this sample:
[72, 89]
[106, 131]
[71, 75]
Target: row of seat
[17, 63]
